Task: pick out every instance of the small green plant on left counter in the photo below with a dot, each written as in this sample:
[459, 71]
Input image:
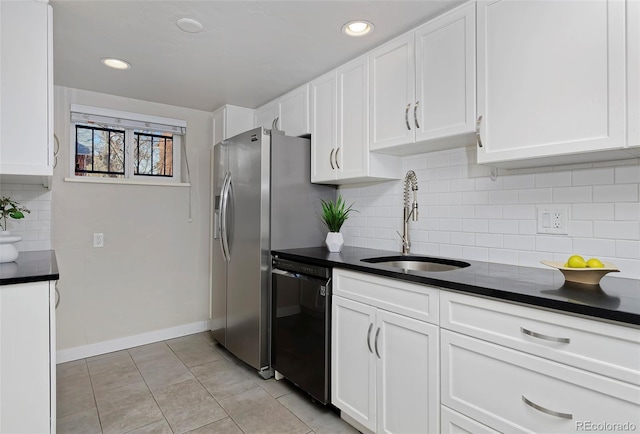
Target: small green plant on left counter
[334, 214]
[10, 209]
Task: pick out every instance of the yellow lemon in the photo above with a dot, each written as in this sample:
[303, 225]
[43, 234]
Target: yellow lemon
[594, 263]
[576, 261]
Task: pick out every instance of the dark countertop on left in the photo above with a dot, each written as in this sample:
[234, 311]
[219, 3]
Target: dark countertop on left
[34, 266]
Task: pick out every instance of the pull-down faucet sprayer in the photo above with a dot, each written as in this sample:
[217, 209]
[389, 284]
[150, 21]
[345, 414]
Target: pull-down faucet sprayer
[409, 210]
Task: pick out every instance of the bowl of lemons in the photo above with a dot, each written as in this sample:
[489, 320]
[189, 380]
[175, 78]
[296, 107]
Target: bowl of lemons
[578, 270]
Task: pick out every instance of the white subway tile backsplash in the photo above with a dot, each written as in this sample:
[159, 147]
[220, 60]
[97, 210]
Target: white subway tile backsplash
[503, 197]
[519, 242]
[615, 193]
[35, 228]
[592, 211]
[464, 214]
[627, 211]
[628, 174]
[553, 179]
[535, 195]
[550, 243]
[504, 226]
[594, 247]
[572, 194]
[627, 249]
[617, 230]
[593, 176]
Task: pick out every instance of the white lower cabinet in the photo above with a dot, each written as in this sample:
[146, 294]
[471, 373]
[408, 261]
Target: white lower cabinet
[516, 392]
[384, 365]
[518, 369]
[27, 358]
[452, 422]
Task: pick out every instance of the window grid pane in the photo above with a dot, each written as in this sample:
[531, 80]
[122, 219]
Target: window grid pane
[153, 154]
[99, 151]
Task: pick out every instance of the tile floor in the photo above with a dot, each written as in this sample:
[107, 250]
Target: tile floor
[184, 385]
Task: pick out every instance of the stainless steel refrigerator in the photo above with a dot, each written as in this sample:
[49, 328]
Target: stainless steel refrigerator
[263, 200]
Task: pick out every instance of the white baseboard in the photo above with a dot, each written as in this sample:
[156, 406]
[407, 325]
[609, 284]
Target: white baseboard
[104, 347]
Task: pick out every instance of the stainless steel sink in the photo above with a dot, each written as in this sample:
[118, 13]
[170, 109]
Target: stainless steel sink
[418, 263]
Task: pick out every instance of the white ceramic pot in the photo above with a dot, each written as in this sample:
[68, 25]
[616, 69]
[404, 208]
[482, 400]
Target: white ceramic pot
[8, 250]
[334, 241]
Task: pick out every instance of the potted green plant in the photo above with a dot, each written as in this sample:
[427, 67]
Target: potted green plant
[9, 209]
[334, 214]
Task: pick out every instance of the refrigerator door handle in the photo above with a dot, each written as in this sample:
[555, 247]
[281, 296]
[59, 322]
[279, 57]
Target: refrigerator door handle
[224, 198]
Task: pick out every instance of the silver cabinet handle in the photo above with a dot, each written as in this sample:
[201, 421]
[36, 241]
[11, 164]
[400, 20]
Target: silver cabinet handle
[336, 158]
[56, 149]
[544, 337]
[415, 114]
[478, 138]
[57, 294]
[331, 158]
[376, 342]
[546, 410]
[369, 338]
[274, 124]
[406, 116]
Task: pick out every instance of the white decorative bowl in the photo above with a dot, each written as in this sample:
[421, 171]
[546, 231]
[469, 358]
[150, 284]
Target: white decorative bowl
[586, 276]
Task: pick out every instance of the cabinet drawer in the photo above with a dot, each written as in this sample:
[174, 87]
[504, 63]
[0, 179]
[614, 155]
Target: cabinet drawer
[604, 348]
[512, 391]
[413, 300]
[452, 422]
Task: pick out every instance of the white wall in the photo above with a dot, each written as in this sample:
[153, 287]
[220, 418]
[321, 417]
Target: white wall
[153, 272]
[35, 227]
[464, 214]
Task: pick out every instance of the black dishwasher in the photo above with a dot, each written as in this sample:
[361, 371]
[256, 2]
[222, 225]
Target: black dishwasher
[301, 325]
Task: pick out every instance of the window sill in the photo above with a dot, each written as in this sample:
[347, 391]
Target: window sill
[126, 182]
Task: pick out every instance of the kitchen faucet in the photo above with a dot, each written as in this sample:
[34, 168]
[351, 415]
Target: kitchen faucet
[409, 178]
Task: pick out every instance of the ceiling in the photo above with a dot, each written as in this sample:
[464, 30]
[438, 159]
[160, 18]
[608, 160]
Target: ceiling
[249, 53]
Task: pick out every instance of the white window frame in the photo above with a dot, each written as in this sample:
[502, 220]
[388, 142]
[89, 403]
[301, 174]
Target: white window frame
[130, 122]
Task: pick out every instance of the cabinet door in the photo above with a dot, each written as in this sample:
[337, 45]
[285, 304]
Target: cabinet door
[633, 70]
[294, 112]
[25, 400]
[353, 365]
[26, 116]
[392, 93]
[352, 153]
[445, 75]
[323, 128]
[229, 121]
[551, 79]
[267, 114]
[408, 379]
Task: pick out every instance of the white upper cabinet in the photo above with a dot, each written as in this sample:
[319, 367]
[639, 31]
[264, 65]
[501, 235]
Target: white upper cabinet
[445, 76]
[633, 72]
[551, 81]
[289, 113]
[26, 86]
[230, 120]
[340, 129]
[423, 87]
[294, 112]
[267, 115]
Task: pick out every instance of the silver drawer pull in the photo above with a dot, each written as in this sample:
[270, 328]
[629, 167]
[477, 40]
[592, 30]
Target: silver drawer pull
[376, 342]
[415, 114]
[546, 410]
[331, 158]
[369, 338]
[545, 337]
[406, 116]
[478, 137]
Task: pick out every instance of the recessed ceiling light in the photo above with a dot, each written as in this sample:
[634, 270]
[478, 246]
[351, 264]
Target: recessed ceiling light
[115, 63]
[357, 28]
[189, 25]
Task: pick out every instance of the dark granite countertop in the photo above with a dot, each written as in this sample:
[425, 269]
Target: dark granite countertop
[615, 299]
[35, 266]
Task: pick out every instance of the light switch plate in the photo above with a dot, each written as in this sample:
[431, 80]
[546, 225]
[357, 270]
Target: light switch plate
[553, 219]
[98, 239]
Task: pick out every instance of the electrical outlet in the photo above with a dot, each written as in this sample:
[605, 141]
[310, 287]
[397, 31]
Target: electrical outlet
[552, 219]
[98, 239]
